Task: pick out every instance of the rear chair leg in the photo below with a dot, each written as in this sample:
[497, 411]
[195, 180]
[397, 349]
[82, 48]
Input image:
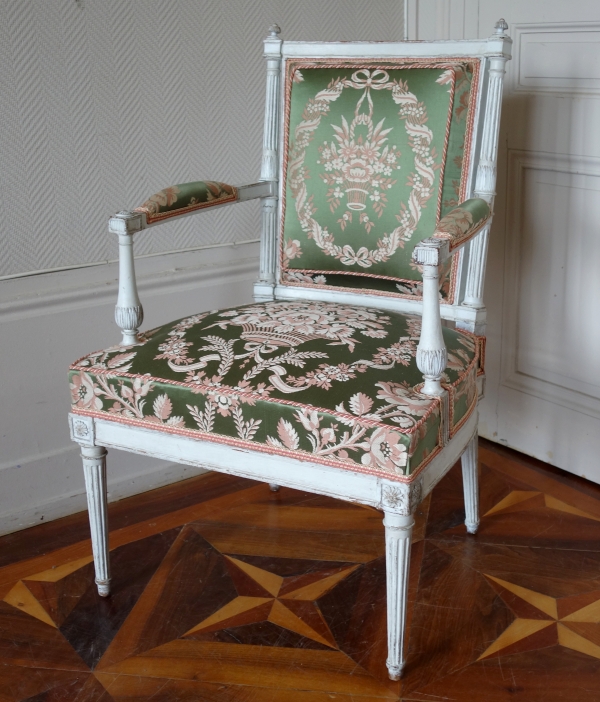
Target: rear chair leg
[94, 469]
[469, 462]
[398, 531]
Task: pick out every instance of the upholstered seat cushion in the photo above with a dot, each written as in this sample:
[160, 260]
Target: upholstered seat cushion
[318, 381]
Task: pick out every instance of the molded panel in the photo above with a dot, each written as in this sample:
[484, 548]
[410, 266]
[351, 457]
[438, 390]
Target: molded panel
[557, 58]
[552, 281]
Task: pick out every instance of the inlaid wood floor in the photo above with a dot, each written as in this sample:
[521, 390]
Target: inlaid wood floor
[223, 590]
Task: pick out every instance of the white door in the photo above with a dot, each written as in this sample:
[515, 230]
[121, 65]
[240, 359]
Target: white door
[543, 279]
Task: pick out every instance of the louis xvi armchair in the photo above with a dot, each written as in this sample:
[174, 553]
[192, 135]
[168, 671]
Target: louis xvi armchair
[377, 184]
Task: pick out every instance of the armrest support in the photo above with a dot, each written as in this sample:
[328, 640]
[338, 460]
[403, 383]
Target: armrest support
[463, 222]
[129, 313]
[432, 356]
[176, 201]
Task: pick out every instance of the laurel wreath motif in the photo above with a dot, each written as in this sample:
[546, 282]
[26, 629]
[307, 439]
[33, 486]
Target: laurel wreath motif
[414, 115]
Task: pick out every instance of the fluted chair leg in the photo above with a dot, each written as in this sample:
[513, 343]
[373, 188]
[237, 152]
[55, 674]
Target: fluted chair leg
[469, 462]
[398, 531]
[94, 469]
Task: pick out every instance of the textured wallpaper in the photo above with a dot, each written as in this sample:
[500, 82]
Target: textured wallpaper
[104, 102]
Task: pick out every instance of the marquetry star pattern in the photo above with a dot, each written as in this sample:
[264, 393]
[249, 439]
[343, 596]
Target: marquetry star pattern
[523, 500]
[39, 595]
[288, 602]
[572, 621]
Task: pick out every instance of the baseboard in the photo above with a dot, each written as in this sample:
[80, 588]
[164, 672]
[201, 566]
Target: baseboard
[127, 475]
[48, 321]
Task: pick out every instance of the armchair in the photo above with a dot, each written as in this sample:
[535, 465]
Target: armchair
[377, 184]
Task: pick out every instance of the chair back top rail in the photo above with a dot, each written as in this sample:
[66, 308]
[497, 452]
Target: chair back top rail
[497, 45]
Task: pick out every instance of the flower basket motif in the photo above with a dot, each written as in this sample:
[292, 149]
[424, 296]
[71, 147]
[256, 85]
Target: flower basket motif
[359, 169]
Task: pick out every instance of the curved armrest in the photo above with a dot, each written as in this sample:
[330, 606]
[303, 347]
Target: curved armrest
[186, 198]
[463, 222]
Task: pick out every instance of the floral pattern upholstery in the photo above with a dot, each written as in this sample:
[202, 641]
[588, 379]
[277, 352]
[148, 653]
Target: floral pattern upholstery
[463, 221]
[318, 381]
[374, 160]
[187, 197]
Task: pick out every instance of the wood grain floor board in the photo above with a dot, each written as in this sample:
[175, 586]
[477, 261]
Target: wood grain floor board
[26, 544]
[223, 590]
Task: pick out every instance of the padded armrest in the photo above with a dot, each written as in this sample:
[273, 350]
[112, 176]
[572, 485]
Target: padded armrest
[185, 198]
[463, 222]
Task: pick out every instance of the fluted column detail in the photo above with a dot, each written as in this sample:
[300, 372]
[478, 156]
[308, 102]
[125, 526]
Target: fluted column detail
[94, 470]
[270, 159]
[268, 241]
[469, 461]
[476, 269]
[398, 531]
[485, 182]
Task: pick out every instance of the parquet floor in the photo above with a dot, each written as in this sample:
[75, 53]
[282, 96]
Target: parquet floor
[225, 591]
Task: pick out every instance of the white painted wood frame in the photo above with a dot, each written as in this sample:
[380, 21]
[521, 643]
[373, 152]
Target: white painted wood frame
[398, 499]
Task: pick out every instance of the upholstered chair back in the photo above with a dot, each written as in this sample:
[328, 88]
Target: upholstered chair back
[375, 153]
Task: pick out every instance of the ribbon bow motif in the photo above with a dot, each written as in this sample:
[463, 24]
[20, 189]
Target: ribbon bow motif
[376, 80]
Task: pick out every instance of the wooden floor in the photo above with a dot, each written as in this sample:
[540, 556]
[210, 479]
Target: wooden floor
[225, 591]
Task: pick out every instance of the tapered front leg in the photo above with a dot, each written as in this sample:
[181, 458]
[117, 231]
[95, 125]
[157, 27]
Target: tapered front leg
[398, 531]
[94, 469]
[469, 462]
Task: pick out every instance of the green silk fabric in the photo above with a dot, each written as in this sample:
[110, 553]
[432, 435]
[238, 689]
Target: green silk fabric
[462, 221]
[177, 199]
[331, 189]
[461, 107]
[318, 381]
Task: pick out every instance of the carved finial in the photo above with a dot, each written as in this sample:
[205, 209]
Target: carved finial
[501, 26]
[274, 30]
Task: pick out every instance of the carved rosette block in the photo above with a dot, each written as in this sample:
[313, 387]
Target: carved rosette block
[398, 531]
[469, 461]
[401, 498]
[82, 429]
[94, 470]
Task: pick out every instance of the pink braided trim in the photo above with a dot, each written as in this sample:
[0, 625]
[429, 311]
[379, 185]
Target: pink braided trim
[258, 447]
[151, 218]
[464, 177]
[363, 421]
[395, 64]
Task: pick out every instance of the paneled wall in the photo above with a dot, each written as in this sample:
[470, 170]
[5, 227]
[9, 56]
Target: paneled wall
[103, 103]
[542, 287]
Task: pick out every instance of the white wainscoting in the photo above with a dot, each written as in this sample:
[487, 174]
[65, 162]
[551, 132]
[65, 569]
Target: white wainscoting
[552, 286]
[48, 321]
[557, 58]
